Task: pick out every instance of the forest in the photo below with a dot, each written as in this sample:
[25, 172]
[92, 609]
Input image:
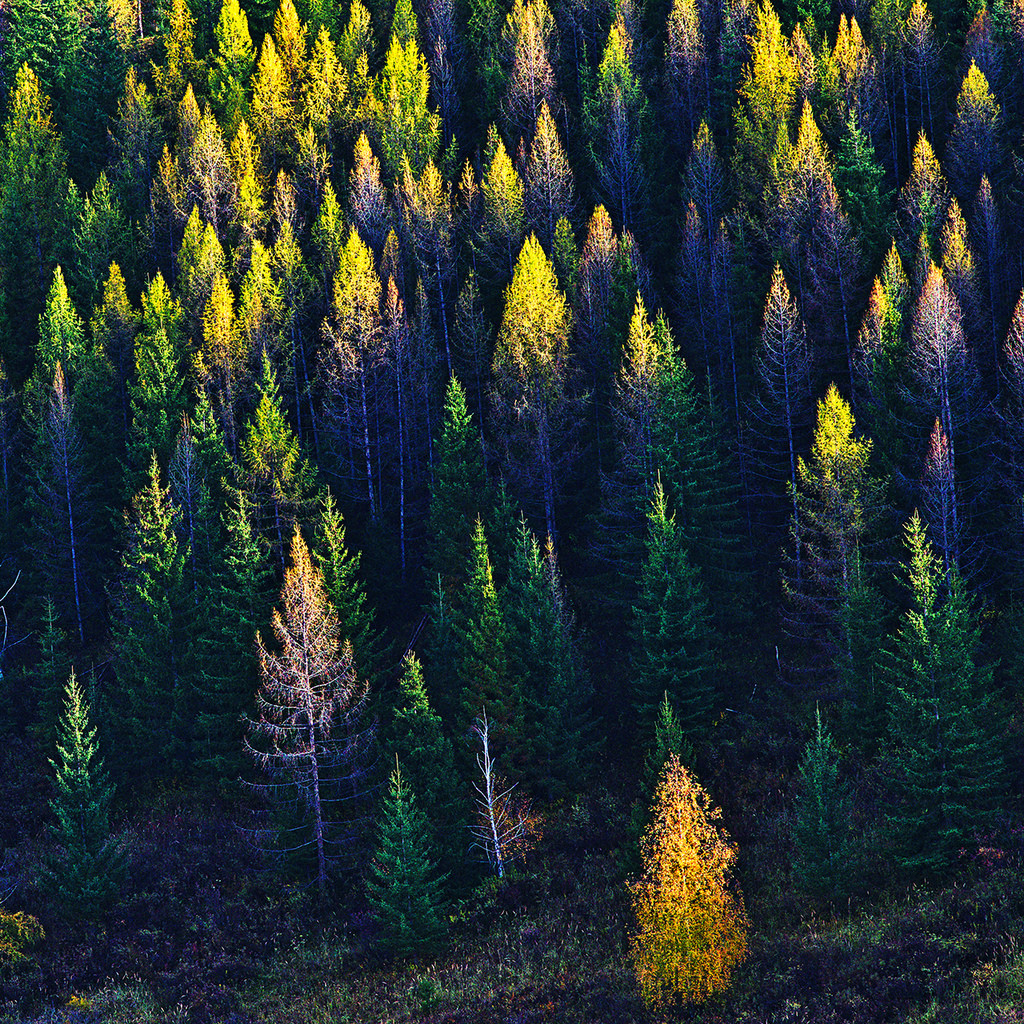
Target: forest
[511, 511]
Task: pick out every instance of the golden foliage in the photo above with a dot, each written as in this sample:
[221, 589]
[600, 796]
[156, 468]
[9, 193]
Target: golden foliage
[691, 926]
[17, 931]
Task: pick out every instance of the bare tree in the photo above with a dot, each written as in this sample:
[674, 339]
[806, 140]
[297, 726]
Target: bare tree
[505, 827]
[306, 735]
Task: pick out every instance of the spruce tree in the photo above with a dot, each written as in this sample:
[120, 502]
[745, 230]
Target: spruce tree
[150, 629]
[947, 764]
[422, 746]
[88, 868]
[823, 865]
[457, 493]
[404, 887]
[675, 643]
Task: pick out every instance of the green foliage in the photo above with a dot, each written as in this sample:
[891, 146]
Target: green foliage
[457, 494]
[429, 759]
[88, 865]
[150, 623]
[403, 887]
[946, 762]
[674, 653]
[824, 866]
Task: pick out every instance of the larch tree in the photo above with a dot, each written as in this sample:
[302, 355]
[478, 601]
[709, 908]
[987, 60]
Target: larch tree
[974, 145]
[232, 66]
[836, 501]
[782, 405]
[549, 193]
[530, 78]
[687, 74]
[306, 734]
[691, 925]
[533, 379]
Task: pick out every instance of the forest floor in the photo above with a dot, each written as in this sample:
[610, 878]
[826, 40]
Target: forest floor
[202, 936]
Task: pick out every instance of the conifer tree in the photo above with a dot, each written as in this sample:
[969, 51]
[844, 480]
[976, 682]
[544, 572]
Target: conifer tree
[457, 493]
[277, 478]
[691, 924]
[88, 868]
[821, 832]
[836, 503]
[947, 762]
[232, 66]
[675, 644]
[306, 735]
[236, 608]
[483, 671]
[150, 626]
[533, 379]
[404, 886]
[422, 746]
[341, 573]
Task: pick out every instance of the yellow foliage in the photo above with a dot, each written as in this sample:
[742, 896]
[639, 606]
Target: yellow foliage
[16, 932]
[691, 925]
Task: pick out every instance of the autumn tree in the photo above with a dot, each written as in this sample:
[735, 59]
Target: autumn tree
[836, 502]
[691, 925]
[306, 735]
[533, 378]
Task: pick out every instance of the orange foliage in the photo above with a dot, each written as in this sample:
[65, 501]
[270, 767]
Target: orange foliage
[691, 925]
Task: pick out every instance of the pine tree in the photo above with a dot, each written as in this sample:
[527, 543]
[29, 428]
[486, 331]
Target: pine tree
[88, 871]
[691, 924]
[675, 643]
[823, 866]
[947, 765]
[404, 887]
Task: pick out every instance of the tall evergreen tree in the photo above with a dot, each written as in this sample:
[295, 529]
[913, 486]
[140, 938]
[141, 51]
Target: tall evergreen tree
[422, 746]
[675, 643]
[947, 765]
[87, 868]
[821, 832]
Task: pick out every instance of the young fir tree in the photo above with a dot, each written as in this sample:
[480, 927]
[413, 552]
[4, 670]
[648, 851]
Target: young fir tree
[947, 763]
[340, 569]
[404, 887]
[457, 493]
[823, 866]
[429, 759]
[674, 635]
[151, 625]
[240, 595]
[542, 658]
[88, 868]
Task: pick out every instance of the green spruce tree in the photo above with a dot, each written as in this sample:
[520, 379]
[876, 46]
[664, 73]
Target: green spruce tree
[404, 887]
[88, 867]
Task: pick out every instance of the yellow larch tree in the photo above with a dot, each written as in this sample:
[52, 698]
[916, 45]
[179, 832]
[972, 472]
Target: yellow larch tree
[691, 923]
